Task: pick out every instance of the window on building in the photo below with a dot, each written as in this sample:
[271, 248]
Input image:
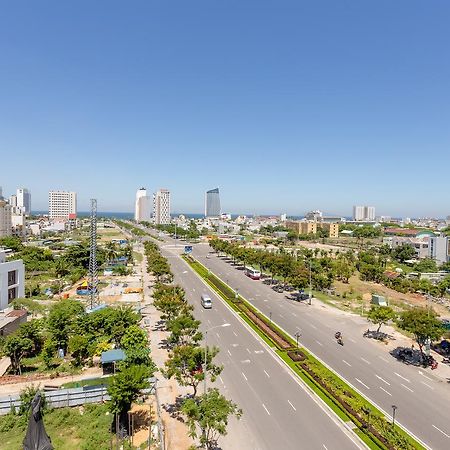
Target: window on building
[12, 278]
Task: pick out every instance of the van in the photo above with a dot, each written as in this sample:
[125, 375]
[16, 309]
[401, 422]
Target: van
[206, 301]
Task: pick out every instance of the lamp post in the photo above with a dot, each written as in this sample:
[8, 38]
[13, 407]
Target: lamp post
[394, 408]
[310, 282]
[270, 317]
[297, 335]
[236, 294]
[206, 349]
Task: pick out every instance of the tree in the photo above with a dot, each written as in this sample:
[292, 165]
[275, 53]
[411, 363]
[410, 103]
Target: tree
[404, 252]
[135, 344]
[184, 330]
[423, 323]
[62, 319]
[16, 347]
[185, 363]
[426, 265]
[380, 315]
[209, 414]
[124, 388]
[12, 242]
[79, 348]
[62, 267]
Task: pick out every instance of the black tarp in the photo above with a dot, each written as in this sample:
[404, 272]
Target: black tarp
[36, 437]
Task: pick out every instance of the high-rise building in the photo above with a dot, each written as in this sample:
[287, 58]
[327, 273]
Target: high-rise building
[5, 218]
[62, 205]
[24, 200]
[212, 203]
[142, 209]
[364, 213]
[161, 207]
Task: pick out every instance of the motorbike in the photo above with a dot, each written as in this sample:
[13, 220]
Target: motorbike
[340, 341]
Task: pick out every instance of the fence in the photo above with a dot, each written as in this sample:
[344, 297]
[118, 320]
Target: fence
[62, 398]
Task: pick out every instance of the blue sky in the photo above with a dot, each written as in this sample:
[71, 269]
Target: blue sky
[285, 105]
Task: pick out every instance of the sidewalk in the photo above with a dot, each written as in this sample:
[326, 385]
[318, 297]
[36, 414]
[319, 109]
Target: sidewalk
[175, 431]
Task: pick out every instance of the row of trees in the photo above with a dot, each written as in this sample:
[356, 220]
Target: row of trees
[189, 363]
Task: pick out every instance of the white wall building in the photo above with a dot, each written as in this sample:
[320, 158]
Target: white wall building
[439, 248]
[142, 208]
[12, 280]
[364, 213]
[24, 200]
[62, 205]
[161, 207]
[5, 218]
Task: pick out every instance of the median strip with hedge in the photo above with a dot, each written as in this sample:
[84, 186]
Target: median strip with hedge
[372, 425]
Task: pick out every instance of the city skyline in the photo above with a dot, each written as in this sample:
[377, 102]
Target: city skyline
[322, 104]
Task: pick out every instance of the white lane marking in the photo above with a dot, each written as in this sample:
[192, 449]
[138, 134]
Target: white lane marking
[383, 389]
[445, 434]
[295, 315]
[350, 339]
[293, 407]
[246, 361]
[384, 359]
[320, 343]
[406, 387]
[229, 352]
[325, 447]
[268, 376]
[193, 290]
[235, 345]
[267, 411]
[220, 378]
[234, 333]
[217, 334]
[258, 352]
[365, 360]
[249, 351]
[281, 316]
[297, 328]
[209, 322]
[345, 362]
[359, 381]
[313, 326]
[427, 385]
[428, 378]
[266, 300]
[243, 374]
[383, 380]
[185, 271]
[403, 378]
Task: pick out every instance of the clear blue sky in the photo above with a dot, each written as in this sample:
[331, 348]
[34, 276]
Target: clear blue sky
[285, 105]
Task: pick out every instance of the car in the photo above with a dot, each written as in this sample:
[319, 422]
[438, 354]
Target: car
[206, 301]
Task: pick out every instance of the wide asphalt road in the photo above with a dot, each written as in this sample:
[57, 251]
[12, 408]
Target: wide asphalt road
[279, 413]
[423, 400]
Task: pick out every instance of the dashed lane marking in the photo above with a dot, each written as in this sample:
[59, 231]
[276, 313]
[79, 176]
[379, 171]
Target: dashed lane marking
[383, 389]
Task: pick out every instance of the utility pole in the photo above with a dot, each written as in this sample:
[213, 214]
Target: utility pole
[93, 272]
[310, 282]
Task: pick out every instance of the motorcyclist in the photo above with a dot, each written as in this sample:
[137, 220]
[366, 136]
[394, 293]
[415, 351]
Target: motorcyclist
[338, 335]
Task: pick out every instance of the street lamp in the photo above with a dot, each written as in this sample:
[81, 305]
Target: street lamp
[297, 335]
[310, 282]
[236, 294]
[394, 408]
[206, 348]
[270, 317]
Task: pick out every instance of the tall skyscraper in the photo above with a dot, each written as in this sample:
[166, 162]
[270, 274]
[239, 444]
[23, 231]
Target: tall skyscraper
[364, 213]
[212, 203]
[161, 207]
[62, 205]
[142, 209]
[24, 200]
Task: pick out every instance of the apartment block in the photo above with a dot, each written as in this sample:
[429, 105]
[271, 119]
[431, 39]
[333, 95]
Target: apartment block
[161, 207]
[12, 280]
[62, 205]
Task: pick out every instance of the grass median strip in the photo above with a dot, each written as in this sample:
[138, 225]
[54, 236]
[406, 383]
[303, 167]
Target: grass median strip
[371, 424]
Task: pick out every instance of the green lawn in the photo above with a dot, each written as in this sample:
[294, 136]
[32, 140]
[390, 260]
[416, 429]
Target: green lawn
[67, 427]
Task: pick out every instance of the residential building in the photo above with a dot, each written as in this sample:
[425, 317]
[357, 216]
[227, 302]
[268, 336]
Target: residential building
[161, 207]
[439, 248]
[314, 215]
[62, 205]
[364, 213]
[142, 210]
[24, 200]
[12, 280]
[331, 228]
[5, 218]
[420, 245]
[13, 200]
[212, 203]
[311, 227]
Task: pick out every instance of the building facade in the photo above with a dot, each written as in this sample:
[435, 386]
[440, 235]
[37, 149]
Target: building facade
[62, 205]
[439, 248]
[24, 200]
[161, 207]
[311, 227]
[364, 213]
[12, 280]
[142, 209]
[5, 218]
[212, 203]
